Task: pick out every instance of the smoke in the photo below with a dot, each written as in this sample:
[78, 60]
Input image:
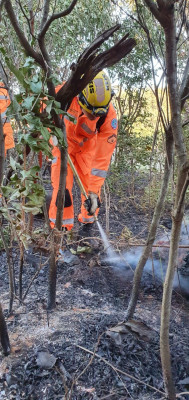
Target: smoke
[124, 263]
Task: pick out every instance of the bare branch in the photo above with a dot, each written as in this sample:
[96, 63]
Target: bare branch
[154, 9]
[45, 13]
[1, 7]
[98, 41]
[29, 20]
[24, 42]
[89, 64]
[2, 151]
[182, 195]
[185, 123]
[184, 89]
[44, 27]
[55, 16]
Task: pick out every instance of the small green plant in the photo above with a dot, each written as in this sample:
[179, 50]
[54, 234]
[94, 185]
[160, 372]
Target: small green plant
[25, 194]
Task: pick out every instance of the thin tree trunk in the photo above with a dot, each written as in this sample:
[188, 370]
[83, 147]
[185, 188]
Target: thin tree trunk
[21, 270]
[4, 337]
[164, 12]
[153, 227]
[171, 64]
[51, 303]
[56, 237]
[10, 270]
[2, 151]
[62, 182]
[9, 258]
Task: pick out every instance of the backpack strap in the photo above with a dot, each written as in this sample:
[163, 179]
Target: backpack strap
[100, 122]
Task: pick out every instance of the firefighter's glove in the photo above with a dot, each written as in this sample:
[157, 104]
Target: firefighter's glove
[92, 203]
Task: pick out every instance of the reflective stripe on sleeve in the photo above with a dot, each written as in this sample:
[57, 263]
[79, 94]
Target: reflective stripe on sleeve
[3, 97]
[54, 160]
[54, 140]
[3, 117]
[99, 172]
[87, 129]
[71, 120]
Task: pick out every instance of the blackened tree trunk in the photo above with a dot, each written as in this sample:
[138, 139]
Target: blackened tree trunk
[52, 272]
[4, 337]
[9, 258]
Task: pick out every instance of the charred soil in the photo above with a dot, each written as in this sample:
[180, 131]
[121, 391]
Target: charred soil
[83, 350]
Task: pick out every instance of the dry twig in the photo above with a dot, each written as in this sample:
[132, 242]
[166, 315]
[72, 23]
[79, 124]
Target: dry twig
[119, 370]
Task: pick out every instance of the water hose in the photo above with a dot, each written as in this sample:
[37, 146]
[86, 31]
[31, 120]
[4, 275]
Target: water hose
[83, 191]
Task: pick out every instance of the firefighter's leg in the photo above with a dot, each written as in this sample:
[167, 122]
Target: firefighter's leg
[68, 214]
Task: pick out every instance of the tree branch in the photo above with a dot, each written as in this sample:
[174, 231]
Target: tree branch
[154, 9]
[161, 13]
[184, 89]
[29, 20]
[2, 151]
[89, 64]
[45, 13]
[54, 16]
[23, 41]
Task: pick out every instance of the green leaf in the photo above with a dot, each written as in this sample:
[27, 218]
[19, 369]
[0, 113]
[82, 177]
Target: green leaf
[14, 164]
[34, 210]
[29, 62]
[15, 195]
[36, 87]
[35, 78]
[7, 190]
[58, 132]
[13, 108]
[2, 50]
[84, 249]
[15, 71]
[28, 102]
[57, 104]
[30, 173]
[49, 106]
[73, 251]
[45, 133]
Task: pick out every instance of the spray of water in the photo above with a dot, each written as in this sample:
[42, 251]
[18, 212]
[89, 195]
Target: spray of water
[112, 258]
[127, 261]
[108, 248]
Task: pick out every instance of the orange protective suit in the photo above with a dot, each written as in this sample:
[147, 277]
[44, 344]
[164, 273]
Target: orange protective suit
[90, 150]
[7, 129]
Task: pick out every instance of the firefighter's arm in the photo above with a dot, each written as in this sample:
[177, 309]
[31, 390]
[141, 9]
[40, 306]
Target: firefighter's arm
[106, 143]
[85, 127]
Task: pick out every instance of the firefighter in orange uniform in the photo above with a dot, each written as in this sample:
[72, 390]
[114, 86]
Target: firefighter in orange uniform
[91, 141]
[7, 129]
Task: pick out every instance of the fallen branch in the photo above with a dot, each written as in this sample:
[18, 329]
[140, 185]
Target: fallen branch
[119, 370]
[158, 245]
[180, 394]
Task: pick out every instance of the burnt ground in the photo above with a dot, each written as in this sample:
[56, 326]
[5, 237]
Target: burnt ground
[83, 350]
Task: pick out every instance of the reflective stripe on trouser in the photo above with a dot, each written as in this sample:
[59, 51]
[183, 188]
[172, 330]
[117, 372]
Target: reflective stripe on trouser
[67, 223]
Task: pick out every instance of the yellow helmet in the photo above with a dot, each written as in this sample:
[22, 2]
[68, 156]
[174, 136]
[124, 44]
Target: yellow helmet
[95, 98]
